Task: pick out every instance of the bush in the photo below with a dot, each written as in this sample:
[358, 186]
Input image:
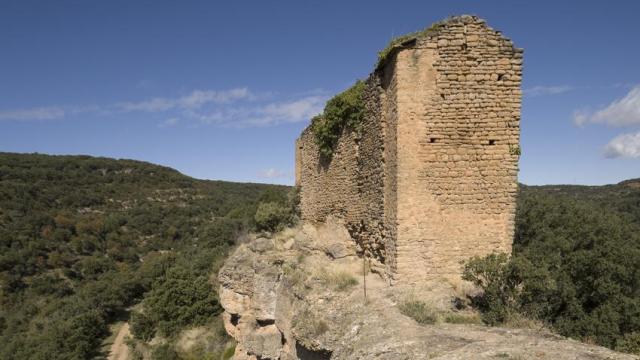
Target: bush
[419, 311]
[383, 55]
[340, 280]
[164, 352]
[343, 111]
[455, 318]
[495, 278]
[272, 216]
[629, 343]
[182, 299]
[142, 327]
[228, 352]
[584, 283]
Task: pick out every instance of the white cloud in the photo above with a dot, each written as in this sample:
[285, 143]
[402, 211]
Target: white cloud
[237, 107]
[41, 113]
[198, 97]
[546, 90]
[625, 145]
[192, 101]
[153, 105]
[169, 122]
[287, 112]
[621, 112]
[260, 115]
[272, 173]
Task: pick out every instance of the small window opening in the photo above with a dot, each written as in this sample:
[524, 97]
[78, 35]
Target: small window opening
[492, 142]
[464, 47]
[443, 97]
[432, 140]
[265, 322]
[500, 76]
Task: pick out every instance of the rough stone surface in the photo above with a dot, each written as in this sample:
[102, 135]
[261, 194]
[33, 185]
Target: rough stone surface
[310, 315]
[431, 178]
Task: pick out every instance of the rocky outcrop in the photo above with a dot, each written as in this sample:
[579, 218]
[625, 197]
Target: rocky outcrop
[301, 295]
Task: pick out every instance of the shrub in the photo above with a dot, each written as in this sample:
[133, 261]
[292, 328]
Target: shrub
[344, 111]
[419, 311]
[183, 298]
[142, 327]
[164, 352]
[383, 55]
[272, 216]
[494, 278]
[228, 352]
[629, 343]
[340, 280]
[309, 325]
[455, 318]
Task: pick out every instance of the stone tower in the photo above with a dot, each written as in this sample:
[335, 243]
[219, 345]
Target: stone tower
[430, 178]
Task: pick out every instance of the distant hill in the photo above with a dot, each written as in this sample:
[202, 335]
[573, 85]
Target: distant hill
[622, 198]
[576, 263]
[574, 270]
[82, 238]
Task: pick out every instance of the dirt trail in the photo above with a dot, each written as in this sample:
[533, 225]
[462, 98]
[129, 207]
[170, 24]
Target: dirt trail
[119, 349]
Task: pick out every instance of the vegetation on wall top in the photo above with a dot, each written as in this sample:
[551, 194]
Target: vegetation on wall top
[343, 111]
[383, 55]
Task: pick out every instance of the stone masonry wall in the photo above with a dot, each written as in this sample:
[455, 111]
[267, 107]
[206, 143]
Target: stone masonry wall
[349, 186]
[431, 179]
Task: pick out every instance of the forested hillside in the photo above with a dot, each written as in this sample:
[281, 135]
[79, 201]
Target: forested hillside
[83, 238]
[575, 265]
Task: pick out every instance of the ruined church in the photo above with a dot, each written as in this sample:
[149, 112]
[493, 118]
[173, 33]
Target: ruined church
[429, 179]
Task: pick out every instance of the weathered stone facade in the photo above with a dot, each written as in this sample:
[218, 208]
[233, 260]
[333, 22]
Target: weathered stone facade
[430, 179]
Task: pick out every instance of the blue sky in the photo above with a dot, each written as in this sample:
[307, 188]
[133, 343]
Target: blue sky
[220, 90]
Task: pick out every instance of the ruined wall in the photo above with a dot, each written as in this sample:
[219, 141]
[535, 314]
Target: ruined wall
[459, 105]
[431, 180]
[350, 184]
[327, 187]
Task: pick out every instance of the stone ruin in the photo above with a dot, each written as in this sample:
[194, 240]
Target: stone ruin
[430, 178]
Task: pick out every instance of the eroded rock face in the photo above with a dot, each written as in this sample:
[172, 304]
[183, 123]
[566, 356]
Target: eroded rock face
[294, 297]
[264, 286]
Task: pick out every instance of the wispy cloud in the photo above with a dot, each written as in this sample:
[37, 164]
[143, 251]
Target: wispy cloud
[272, 173]
[625, 145]
[169, 122]
[40, 113]
[238, 107]
[541, 90]
[261, 114]
[621, 112]
[194, 100]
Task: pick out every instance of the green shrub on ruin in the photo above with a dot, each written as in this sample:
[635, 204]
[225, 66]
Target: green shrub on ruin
[344, 111]
[383, 55]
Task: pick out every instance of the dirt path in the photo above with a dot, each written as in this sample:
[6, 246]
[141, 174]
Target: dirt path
[119, 349]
